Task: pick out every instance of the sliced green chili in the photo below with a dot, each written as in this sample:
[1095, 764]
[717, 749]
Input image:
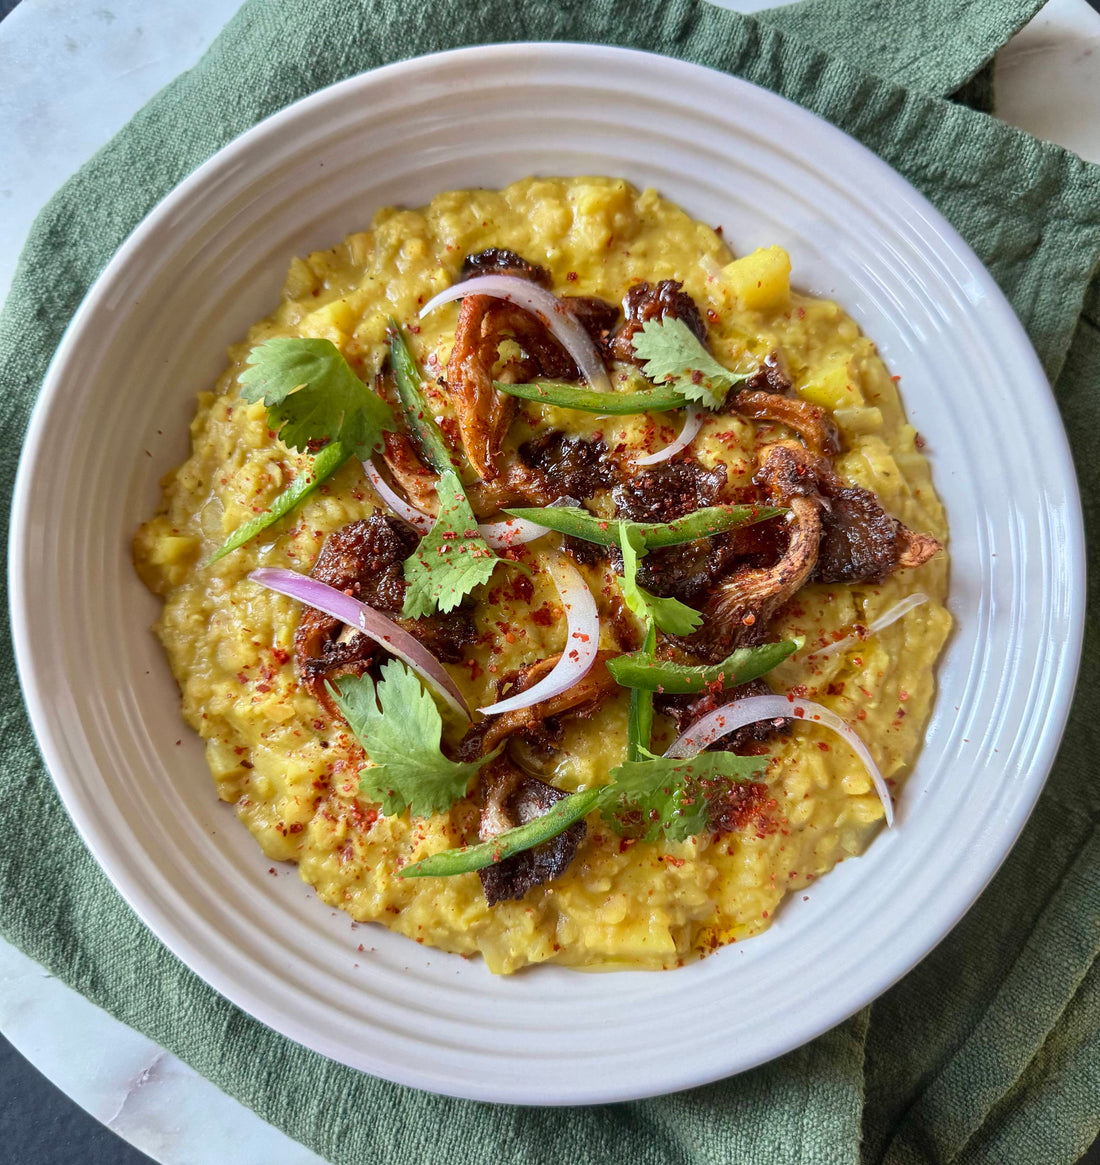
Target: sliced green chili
[639, 723]
[711, 520]
[325, 464]
[588, 400]
[512, 841]
[642, 670]
[414, 405]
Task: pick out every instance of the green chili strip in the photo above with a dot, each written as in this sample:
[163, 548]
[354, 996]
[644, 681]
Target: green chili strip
[512, 841]
[414, 405]
[587, 400]
[325, 464]
[639, 723]
[642, 670]
[711, 520]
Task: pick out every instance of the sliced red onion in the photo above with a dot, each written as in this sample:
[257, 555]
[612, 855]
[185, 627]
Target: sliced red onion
[403, 509]
[729, 717]
[693, 422]
[500, 535]
[883, 621]
[544, 306]
[511, 532]
[582, 640]
[381, 628]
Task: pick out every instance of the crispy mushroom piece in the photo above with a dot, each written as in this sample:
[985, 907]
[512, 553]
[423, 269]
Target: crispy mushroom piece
[742, 605]
[364, 558]
[642, 303]
[860, 542]
[483, 322]
[810, 421]
[501, 261]
[511, 798]
[414, 478]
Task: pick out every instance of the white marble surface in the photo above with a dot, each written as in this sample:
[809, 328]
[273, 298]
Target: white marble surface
[71, 74]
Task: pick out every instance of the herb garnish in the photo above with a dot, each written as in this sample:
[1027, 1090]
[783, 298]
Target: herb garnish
[313, 397]
[655, 799]
[672, 354]
[452, 557]
[662, 798]
[669, 615]
[401, 738]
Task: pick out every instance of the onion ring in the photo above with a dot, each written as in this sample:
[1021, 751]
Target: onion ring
[546, 307]
[693, 422]
[736, 714]
[582, 640]
[500, 535]
[902, 607]
[374, 624]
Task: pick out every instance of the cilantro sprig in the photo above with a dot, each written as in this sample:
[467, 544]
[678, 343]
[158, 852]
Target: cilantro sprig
[313, 397]
[400, 728]
[672, 354]
[670, 615]
[451, 559]
[654, 799]
[664, 799]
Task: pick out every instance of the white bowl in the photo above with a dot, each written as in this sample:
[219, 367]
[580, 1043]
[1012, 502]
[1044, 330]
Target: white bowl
[210, 259]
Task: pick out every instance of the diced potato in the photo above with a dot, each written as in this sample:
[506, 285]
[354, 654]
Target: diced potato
[301, 280]
[859, 420]
[338, 317]
[835, 388]
[761, 281]
[171, 549]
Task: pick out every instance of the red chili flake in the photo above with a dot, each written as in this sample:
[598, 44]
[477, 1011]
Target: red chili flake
[572, 277]
[903, 695]
[297, 827]
[712, 315]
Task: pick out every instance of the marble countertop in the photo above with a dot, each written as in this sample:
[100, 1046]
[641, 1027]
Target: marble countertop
[74, 71]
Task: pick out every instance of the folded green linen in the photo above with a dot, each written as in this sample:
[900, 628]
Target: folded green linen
[990, 1050]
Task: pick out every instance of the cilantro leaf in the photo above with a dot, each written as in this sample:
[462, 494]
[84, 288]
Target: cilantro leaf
[452, 557]
[670, 615]
[672, 353]
[313, 396]
[401, 738]
[663, 798]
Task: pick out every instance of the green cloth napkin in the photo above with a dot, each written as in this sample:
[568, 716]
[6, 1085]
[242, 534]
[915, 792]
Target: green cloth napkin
[990, 1050]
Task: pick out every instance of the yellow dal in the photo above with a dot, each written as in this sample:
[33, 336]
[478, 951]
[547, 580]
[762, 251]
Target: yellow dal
[292, 774]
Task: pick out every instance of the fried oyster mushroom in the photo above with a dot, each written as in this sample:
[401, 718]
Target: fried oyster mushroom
[364, 559]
